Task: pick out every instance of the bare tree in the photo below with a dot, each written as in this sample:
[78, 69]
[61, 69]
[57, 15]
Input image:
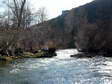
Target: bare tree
[42, 15]
[21, 13]
[4, 23]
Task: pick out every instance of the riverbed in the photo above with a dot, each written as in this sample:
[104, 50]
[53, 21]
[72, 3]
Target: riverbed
[61, 69]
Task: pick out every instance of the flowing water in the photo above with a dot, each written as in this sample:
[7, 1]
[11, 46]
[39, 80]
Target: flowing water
[61, 69]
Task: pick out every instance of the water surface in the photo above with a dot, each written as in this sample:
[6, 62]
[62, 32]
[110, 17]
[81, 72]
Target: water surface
[58, 70]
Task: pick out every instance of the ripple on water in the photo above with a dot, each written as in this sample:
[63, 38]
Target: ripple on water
[59, 70]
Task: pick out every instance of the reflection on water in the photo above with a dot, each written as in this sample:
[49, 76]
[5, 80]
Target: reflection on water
[58, 70]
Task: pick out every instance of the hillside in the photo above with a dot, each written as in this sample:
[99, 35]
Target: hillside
[87, 27]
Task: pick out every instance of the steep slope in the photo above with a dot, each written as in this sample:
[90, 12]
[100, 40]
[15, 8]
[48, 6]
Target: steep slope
[94, 34]
[87, 27]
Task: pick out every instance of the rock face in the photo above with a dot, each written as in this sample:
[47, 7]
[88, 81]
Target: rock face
[94, 25]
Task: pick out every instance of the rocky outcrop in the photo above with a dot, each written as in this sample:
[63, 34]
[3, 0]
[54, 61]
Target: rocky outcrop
[94, 24]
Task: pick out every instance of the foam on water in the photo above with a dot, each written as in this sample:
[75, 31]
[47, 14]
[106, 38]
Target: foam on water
[63, 54]
[61, 69]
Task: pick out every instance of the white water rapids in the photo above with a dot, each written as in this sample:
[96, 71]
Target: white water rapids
[61, 69]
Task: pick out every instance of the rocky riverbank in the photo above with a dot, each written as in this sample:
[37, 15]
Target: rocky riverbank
[42, 53]
[89, 54]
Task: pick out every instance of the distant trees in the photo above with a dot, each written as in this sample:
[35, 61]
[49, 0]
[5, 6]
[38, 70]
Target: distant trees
[42, 15]
[3, 21]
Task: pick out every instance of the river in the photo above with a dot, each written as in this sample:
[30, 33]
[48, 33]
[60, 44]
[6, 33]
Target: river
[61, 69]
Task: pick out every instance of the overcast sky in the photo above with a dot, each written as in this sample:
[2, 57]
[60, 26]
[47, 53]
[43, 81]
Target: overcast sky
[55, 7]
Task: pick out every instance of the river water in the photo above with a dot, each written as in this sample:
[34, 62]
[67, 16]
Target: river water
[61, 69]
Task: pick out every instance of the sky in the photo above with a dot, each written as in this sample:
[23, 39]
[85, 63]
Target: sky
[54, 7]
